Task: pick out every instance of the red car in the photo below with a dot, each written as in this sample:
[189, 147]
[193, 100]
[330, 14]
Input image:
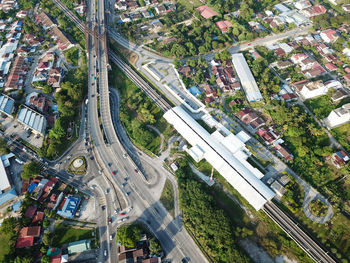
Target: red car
[136, 171]
[109, 220]
[122, 214]
[114, 173]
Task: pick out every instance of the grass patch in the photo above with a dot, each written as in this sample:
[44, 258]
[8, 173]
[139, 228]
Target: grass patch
[137, 111]
[167, 197]
[77, 170]
[190, 5]
[72, 56]
[132, 57]
[342, 134]
[5, 248]
[65, 234]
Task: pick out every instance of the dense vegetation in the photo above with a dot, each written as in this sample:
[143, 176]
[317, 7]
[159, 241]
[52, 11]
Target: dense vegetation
[128, 235]
[167, 197]
[29, 170]
[137, 112]
[72, 56]
[69, 98]
[209, 224]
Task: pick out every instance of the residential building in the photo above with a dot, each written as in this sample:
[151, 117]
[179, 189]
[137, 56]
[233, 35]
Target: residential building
[62, 41]
[45, 21]
[313, 11]
[313, 89]
[246, 78]
[206, 11]
[15, 78]
[340, 94]
[30, 212]
[338, 117]
[69, 206]
[30, 231]
[80, 9]
[302, 4]
[225, 152]
[329, 35]
[223, 25]
[160, 9]
[283, 152]
[346, 8]
[79, 246]
[340, 158]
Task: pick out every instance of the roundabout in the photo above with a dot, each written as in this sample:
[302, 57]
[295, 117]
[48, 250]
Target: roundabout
[78, 166]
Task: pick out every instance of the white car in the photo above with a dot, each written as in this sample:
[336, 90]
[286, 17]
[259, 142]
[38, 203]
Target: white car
[110, 237]
[105, 253]
[129, 209]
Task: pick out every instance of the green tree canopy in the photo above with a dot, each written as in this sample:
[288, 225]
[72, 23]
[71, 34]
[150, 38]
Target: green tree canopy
[29, 170]
[128, 235]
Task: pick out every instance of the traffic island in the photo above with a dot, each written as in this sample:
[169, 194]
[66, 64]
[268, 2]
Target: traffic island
[77, 166]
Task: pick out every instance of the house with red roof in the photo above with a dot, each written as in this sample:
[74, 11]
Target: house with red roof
[330, 66]
[24, 242]
[206, 11]
[329, 35]
[283, 152]
[223, 25]
[313, 11]
[30, 211]
[268, 135]
[38, 217]
[340, 158]
[30, 231]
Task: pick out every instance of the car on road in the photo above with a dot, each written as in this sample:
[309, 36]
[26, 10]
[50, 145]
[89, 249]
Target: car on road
[124, 184]
[105, 253]
[125, 155]
[107, 190]
[122, 213]
[116, 211]
[109, 220]
[128, 193]
[103, 207]
[110, 237]
[122, 220]
[249, 44]
[136, 171]
[109, 164]
[19, 161]
[114, 172]
[129, 209]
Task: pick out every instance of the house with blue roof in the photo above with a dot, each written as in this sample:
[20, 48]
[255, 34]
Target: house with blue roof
[69, 207]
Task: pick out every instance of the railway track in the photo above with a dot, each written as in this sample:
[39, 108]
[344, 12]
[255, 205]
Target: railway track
[276, 214]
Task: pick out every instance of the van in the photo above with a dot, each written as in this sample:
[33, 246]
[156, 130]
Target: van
[19, 161]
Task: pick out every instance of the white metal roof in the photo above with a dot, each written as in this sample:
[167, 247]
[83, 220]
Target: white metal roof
[32, 119]
[230, 167]
[4, 181]
[246, 77]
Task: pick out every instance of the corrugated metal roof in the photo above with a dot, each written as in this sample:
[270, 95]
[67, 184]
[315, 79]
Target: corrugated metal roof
[6, 104]
[32, 119]
[230, 167]
[4, 181]
[246, 78]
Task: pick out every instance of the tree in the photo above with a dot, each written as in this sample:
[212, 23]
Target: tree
[128, 235]
[45, 259]
[29, 170]
[3, 147]
[154, 246]
[19, 259]
[47, 89]
[47, 238]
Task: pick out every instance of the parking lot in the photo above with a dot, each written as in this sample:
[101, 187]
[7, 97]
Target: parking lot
[13, 127]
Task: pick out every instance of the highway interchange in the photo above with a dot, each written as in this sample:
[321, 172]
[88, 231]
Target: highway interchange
[113, 160]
